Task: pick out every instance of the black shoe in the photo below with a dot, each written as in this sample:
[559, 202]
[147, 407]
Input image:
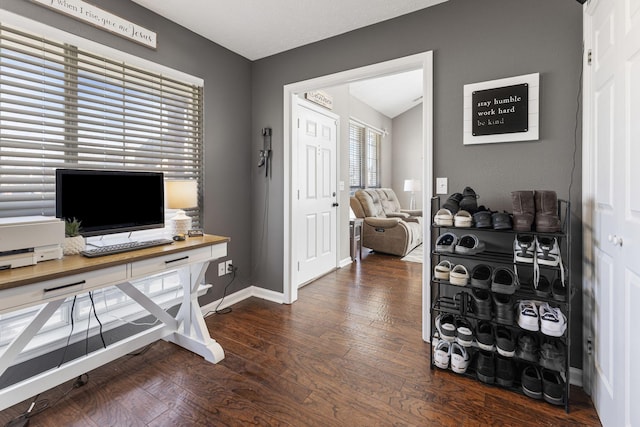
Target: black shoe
[453, 203]
[552, 387]
[505, 342]
[558, 290]
[485, 336]
[504, 281]
[469, 200]
[532, 382]
[527, 347]
[481, 276]
[504, 306]
[505, 371]
[482, 219]
[544, 287]
[485, 367]
[481, 304]
[501, 221]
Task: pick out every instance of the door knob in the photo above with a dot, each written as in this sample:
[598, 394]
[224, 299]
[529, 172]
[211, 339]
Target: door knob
[616, 240]
[335, 204]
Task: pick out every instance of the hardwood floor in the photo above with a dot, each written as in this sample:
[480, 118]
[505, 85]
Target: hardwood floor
[349, 352]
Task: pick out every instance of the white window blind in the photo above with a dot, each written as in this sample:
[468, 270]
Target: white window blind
[356, 155]
[373, 156]
[62, 106]
[364, 156]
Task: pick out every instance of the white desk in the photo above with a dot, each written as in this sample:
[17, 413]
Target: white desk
[51, 282]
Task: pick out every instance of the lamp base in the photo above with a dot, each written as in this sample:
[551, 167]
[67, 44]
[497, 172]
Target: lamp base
[180, 224]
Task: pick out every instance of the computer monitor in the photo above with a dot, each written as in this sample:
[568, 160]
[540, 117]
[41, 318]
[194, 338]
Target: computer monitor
[110, 201]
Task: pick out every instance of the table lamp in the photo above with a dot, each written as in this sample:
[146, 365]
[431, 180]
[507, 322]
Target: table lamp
[412, 185]
[181, 194]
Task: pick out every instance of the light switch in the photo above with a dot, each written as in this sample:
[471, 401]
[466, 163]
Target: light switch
[441, 185]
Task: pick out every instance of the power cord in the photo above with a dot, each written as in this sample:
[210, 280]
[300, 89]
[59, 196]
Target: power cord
[38, 406]
[226, 310]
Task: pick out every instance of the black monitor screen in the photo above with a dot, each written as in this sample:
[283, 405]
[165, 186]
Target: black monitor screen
[109, 202]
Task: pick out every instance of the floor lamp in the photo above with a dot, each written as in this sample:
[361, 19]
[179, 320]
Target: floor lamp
[412, 185]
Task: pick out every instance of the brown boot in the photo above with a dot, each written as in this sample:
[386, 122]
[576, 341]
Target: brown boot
[523, 210]
[547, 220]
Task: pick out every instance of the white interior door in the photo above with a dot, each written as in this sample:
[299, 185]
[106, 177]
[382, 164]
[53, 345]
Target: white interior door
[612, 33]
[316, 203]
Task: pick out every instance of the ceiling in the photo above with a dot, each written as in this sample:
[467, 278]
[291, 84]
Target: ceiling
[256, 29]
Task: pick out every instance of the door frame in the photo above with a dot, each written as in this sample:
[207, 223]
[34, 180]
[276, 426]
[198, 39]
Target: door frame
[422, 60]
[588, 194]
[297, 103]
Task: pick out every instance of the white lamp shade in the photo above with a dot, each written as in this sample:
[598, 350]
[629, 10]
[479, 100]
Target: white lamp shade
[182, 194]
[411, 185]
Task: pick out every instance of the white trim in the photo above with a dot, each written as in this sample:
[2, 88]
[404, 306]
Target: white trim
[413, 62]
[345, 262]
[97, 48]
[588, 194]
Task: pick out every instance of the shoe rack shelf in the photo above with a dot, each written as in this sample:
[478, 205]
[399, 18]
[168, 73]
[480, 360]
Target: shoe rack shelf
[457, 300]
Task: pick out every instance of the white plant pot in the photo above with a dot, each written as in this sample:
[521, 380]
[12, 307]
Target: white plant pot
[73, 245]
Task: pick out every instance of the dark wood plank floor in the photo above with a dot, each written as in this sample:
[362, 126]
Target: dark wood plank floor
[348, 353]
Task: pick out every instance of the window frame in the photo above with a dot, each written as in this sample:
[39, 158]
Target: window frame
[369, 175]
[168, 291]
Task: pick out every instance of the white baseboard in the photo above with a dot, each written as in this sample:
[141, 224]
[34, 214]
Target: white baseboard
[346, 261]
[241, 295]
[575, 376]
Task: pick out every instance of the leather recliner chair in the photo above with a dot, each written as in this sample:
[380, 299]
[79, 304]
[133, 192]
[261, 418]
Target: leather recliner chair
[386, 227]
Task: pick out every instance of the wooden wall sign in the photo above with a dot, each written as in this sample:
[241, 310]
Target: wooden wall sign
[502, 110]
[93, 15]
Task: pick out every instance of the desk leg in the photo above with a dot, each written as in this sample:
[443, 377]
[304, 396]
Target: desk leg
[194, 335]
[19, 342]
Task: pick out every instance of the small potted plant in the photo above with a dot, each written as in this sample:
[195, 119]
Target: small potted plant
[73, 242]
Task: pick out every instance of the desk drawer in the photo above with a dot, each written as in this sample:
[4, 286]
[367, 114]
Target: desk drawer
[38, 293]
[169, 262]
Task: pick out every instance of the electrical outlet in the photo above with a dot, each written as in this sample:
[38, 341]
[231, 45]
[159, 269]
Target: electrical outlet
[441, 185]
[229, 267]
[222, 269]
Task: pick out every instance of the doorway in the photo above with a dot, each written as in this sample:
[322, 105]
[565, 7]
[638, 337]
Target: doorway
[422, 61]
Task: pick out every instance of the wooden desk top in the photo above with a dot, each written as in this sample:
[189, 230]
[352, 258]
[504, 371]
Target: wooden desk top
[74, 264]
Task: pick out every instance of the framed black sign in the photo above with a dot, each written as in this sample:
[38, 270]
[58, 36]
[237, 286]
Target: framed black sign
[500, 110]
[504, 110]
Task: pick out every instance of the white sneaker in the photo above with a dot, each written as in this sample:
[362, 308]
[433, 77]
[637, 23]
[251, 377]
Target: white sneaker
[463, 218]
[528, 315]
[460, 358]
[552, 320]
[445, 324]
[442, 354]
[524, 248]
[547, 251]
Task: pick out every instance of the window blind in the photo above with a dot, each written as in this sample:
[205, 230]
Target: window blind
[364, 156]
[356, 155]
[64, 107]
[373, 156]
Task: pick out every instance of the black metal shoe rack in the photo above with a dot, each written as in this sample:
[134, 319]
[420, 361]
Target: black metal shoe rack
[455, 299]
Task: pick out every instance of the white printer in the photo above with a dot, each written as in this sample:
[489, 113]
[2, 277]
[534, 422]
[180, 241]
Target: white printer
[30, 239]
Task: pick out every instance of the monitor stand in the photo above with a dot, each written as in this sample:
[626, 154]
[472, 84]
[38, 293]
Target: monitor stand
[101, 242]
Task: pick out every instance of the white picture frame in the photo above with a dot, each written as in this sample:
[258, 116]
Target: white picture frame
[530, 134]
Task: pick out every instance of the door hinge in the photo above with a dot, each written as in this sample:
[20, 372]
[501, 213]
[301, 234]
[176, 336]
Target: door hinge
[589, 346]
[298, 123]
[589, 57]
[298, 265]
[298, 194]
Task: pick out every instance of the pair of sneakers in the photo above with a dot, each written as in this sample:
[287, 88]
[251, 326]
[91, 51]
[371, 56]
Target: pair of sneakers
[531, 249]
[445, 218]
[451, 354]
[549, 320]
[468, 244]
[540, 250]
[543, 384]
[454, 329]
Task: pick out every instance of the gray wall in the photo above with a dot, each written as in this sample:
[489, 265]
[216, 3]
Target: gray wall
[226, 75]
[407, 153]
[473, 41]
